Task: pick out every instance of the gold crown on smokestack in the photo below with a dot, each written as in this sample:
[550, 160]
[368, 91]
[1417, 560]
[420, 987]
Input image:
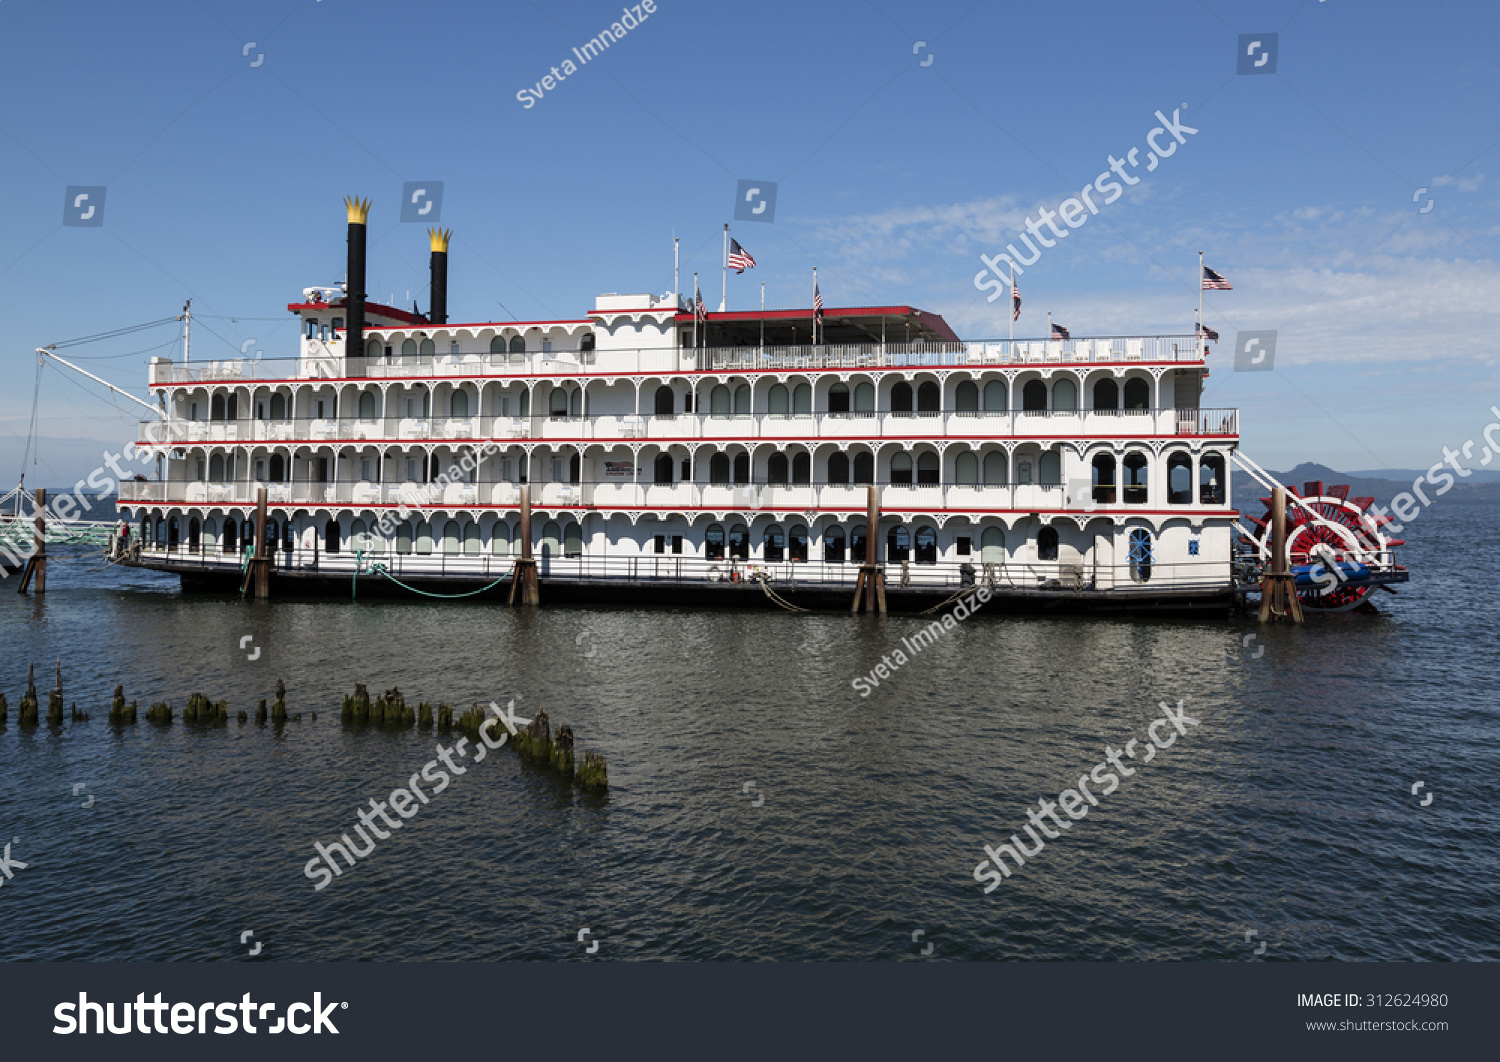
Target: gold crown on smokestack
[438, 239]
[359, 210]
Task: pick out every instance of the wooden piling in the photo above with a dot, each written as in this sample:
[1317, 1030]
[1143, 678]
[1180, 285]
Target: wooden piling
[29, 707]
[524, 580]
[1278, 590]
[36, 564]
[869, 590]
[55, 700]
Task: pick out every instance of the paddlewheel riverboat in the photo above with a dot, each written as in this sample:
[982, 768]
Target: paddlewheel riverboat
[677, 458]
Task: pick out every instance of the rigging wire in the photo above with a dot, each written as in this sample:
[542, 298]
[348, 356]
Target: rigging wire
[99, 336]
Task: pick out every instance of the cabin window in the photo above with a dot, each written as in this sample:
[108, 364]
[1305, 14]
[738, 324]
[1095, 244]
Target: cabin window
[776, 469]
[557, 403]
[718, 468]
[901, 398]
[898, 544]
[1104, 479]
[426, 351]
[742, 401]
[359, 536]
[864, 400]
[278, 407]
[864, 468]
[713, 542]
[373, 348]
[929, 468]
[802, 468]
[1135, 479]
[833, 545]
[500, 538]
[857, 543]
[497, 351]
[452, 537]
[1049, 469]
[995, 472]
[1179, 479]
[663, 469]
[779, 401]
[718, 401]
[458, 405]
[1046, 544]
[802, 401]
[517, 351]
[775, 544]
[739, 542]
[424, 538]
[929, 398]
[1140, 555]
[310, 327]
[838, 468]
[366, 406]
[796, 544]
[994, 396]
[742, 468]
[1065, 396]
[1211, 479]
[331, 536]
[666, 401]
[966, 397]
[1137, 394]
[551, 539]
[1034, 397]
[966, 469]
[409, 348]
[572, 540]
[211, 534]
[404, 537]
[901, 467]
[838, 398]
[1107, 396]
[926, 545]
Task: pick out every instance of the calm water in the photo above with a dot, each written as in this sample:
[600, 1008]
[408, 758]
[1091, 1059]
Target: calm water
[1288, 811]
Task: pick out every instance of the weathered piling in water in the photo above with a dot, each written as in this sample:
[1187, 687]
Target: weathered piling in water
[424, 715]
[444, 717]
[4, 709]
[390, 710]
[121, 713]
[29, 707]
[55, 700]
[562, 751]
[593, 774]
[201, 710]
[75, 715]
[160, 713]
[278, 706]
[260, 713]
[243, 717]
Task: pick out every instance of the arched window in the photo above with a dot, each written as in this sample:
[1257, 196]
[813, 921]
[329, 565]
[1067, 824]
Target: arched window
[424, 538]
[966, 469]
[992, 546]
[426, 351]
[802, 467]
[289, 537]
[575, 402]
[366, 406]
[216, 468]
[1034, 397]
[929, 468]
[864, 400]
[458, 405]
[247, 534]
[1049, 469]
[662, 472]
[551, 539]
[742, 468]
[1135, 479]
[864, 468]
[517, 543]
[1106, 396]
[838, 468]
[926, 552]
[500, 538]
[575, 467]
[1046, 544]
[572, 539]
[742, 401]
[802, 400]
[452, 537]
[718, 401]
[358, 534]
[231, 540]
[796, 544]
[901, 397]
[833, 545]
[713, 542]
[779, 401]
[995, 472]
[666, 401]
[929, 398]
[409, 348]
[404, 537]
[1104, 479]
[966, 397]
[517, 351]
[1137, 394]
[898, 544]
[172, 534]
[739, 542]
[857, 543]
[523, 405]
[776, 468]
[1065, 396]
[210, 534]
[838, 398]
[1211, 479]
[1140, 555]
[471, 538]
[278, 407]
[216, 408]
[775, 544]
[331, 536]
[497, 350]
[901, 467]
[718, 468]
[1179, 479]
[373, 349]
[557, 403]
[994, 396]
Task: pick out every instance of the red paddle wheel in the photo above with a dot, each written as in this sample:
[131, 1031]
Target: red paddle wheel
[1343, 532]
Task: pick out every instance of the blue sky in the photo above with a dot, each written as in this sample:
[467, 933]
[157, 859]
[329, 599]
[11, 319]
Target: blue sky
[225, 177]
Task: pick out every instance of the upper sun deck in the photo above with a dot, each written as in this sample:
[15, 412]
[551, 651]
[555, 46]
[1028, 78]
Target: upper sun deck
[538, 349]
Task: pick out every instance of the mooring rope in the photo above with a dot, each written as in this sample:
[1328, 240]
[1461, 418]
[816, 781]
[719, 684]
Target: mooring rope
[944, 604]
[379, 568]
[766, 586]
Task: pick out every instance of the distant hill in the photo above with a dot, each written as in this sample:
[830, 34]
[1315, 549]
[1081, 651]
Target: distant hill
[1381, 486]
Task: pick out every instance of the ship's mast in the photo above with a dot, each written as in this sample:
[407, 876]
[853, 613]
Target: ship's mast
[187, 330]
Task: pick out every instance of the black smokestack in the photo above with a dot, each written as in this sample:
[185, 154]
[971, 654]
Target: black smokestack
[438, 313]
[354, 302]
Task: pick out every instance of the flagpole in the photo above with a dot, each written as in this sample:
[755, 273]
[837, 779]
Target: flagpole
[763, 316]
[676, 266]
[1013, 303]
[695, 309]
[724, 298]
[1198, 330]
[815, 307]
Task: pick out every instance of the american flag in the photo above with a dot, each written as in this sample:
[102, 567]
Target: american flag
[700, 311]
[1059, 332]
[1015, 301]
[1214, 282]
[1208, 333]
[739, 258]
[817, 301]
